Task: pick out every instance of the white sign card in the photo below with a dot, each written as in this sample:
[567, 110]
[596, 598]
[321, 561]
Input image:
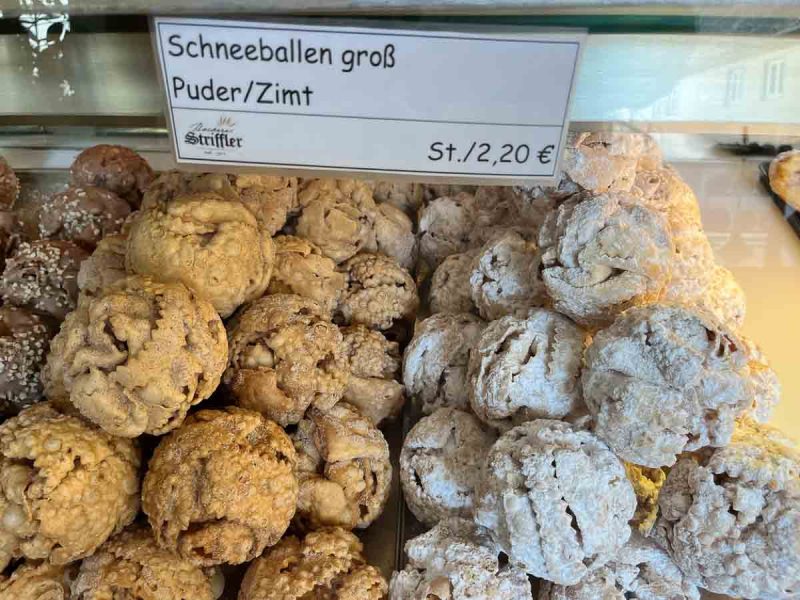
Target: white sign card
[462, 105]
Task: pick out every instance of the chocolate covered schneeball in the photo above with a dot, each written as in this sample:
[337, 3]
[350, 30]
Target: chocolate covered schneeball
[663, 380]
[132, 566]
[285, 355]
[730, 517]
[206, 242]
[135, 358]
[326, 564]
[65, 486]
[24, 341]
[603, 254]
[221, 488]
[83, 215]
[555, 499]
[42, 276]
[9, 185]
[116, 168]
[343, 469]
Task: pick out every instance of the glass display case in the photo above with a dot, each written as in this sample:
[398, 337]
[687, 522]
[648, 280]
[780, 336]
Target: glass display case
[678, 110]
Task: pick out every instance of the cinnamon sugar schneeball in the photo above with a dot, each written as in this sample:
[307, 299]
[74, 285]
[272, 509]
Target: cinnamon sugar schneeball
[457, 560]
[38, 581]
[42, 276]
[302, 269]
[209, 244]
[524, 368]
[337, 215]
[505, 277]
[440, 464]
[445, 227]
[435, 362]
[116, 168]
[131, 565]
[104, 267]
[326, 564]
[602, 254]
[730, 517]
[171, 184]
[136, 357]
[285, 355]
[65, 486]
[374, 364]
[555, 499]
[9, 185]
[450, 289]
[24, 341]
[272, 199]
[343, 469]
[663, 380]
[640, 570]
[379, 292]
[83, 215]
[221, 488]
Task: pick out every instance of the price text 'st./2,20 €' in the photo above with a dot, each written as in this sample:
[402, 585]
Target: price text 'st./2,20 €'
[486, 153]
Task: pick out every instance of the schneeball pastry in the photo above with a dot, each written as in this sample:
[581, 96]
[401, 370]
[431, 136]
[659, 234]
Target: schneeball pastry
[555, 499]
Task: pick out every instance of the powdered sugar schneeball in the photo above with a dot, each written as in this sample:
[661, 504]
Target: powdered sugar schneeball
[457, 560]
[445, 227]
[640, 570]
[440, 464]
[526, 368]
[435, 362]
[505, 277]
[730, 517]
[664, 380]
[555, 499]
[602, 254]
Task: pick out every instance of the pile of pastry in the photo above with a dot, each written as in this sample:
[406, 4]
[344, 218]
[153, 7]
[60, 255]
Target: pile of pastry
[592, 420]
[278, 302]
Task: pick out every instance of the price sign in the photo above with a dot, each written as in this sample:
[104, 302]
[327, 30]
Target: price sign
[470, 106]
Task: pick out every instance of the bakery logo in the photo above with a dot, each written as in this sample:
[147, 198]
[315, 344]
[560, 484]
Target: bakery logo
[222, 135]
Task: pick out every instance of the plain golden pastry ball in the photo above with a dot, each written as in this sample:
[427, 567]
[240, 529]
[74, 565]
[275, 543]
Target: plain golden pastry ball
[65, 486]
[206, 242]
[135, 358]
[222, 487]
[784, 177]
[132, 566]
[326, 564]
[33, 580]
